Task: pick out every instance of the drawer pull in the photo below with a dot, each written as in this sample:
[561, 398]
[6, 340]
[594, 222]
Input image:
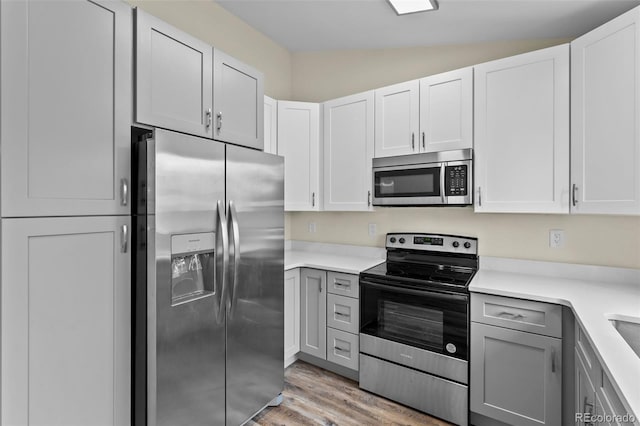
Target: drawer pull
[511, 316]
[338, 348]
[339, 284]
[343, 315]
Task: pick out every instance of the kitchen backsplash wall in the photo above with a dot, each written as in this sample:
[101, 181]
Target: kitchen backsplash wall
[593, 239]
[210, 22]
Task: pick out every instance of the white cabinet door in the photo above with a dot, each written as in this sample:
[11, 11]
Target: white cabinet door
[446, 111]
[66, 321]
[66, 107]
[313, 312]
[605, 118]
[238, 101]
[516, 377]
[270, 125]
[348, 151]
[291, 314]
[299, 143]
[397, 119]
[522, 133]
[173, 78]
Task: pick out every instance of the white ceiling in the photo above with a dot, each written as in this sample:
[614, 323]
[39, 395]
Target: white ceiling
[311, 25]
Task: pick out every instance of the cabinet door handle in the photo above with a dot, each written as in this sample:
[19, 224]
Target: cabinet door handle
[313, 199]
[423, 144]
[588, 409]
[219, 116]
[124, 238]
[480, 196]
[574, 195]
[124, 192]
[320, 286]
[208, 115]
[553, 360]
[413, 141]
[368, 198]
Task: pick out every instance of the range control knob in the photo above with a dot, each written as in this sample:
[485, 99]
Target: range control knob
[467, 245]
[456, 244]
[402, 240]
[392, 239]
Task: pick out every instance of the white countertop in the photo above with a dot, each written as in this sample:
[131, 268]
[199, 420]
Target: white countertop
[599, 294]
[332, 257]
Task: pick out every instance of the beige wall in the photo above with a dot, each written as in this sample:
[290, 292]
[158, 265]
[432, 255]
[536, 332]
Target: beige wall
[597, 240]
[319, 76]
[210, 22]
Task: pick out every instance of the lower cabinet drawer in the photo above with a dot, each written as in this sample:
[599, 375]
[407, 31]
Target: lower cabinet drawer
[343, 313]
[342, 348]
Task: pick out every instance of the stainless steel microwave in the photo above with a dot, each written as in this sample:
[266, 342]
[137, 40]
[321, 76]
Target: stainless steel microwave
[430, 179]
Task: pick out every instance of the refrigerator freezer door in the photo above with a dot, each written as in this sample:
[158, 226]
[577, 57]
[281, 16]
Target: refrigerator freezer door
[186, 344]
[255, 318]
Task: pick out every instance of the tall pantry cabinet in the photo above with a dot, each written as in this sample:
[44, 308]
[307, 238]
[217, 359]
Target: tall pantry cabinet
[65, 178]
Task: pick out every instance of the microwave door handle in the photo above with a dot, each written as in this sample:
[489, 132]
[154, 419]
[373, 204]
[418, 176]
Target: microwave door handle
[442, 180]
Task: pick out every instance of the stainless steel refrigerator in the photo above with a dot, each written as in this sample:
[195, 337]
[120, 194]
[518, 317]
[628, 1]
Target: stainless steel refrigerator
[209, 239]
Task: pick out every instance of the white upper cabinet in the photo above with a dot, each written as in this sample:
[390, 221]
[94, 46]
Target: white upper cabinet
[173, 78]
[299, 143]
[446, 111]
[605, 118]
[397, 119]
[522, 133]
[270, 125]
[66, 108]
[238, 102]
[348, 151]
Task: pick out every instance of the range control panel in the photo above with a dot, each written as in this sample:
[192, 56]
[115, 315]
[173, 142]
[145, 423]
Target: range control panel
[456, 180]
[433, 242]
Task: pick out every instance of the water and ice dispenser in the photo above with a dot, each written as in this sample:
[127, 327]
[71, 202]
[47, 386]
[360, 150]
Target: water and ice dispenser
[192, 267]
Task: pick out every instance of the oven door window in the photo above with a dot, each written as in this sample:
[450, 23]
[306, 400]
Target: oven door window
[422, 182]
[429, 320]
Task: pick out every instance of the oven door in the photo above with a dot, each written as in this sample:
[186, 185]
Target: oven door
[426, 319]
[418, 184]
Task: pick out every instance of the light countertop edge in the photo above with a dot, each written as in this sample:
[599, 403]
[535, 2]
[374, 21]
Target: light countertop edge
[348, 264]
[592, 303]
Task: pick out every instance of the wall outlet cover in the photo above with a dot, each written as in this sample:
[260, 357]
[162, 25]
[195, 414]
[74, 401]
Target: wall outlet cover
[556, 238]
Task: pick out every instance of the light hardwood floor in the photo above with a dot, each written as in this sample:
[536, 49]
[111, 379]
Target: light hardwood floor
[313, 396]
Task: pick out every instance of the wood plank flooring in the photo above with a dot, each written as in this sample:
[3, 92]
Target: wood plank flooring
[313, 396]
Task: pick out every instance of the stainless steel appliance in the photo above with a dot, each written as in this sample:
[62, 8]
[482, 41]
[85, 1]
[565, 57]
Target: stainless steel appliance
[414, 323]
[431, 179]
[209, 263]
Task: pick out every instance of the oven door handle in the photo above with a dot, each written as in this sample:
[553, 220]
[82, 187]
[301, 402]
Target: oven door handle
[432, 294]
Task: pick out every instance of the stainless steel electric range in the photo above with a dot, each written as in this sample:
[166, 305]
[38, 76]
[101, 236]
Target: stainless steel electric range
[414, 323]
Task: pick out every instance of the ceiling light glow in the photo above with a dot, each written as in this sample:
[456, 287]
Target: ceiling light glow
[403, 7]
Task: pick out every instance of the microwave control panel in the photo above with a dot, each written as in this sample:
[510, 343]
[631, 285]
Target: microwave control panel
[456, 180]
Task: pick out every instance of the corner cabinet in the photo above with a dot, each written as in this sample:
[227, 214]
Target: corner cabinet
[605, 118]
[174, 78]
[521, 154]
[238, 102]
[516, 374]
[299, 143]
[291, 315]
[270, 125]
[348, 151]
[66, 108]
[66, 321]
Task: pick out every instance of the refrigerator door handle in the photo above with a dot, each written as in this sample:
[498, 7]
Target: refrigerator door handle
[235, 233]
[221, 256]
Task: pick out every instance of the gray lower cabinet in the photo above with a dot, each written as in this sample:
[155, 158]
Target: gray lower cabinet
[516, 376]
[65, 107]
[66, 321]
[313, 312]
[329, 320]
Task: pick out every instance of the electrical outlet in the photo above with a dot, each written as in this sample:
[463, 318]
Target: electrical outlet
[556, 238]
[373, 230]
[312, 227]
